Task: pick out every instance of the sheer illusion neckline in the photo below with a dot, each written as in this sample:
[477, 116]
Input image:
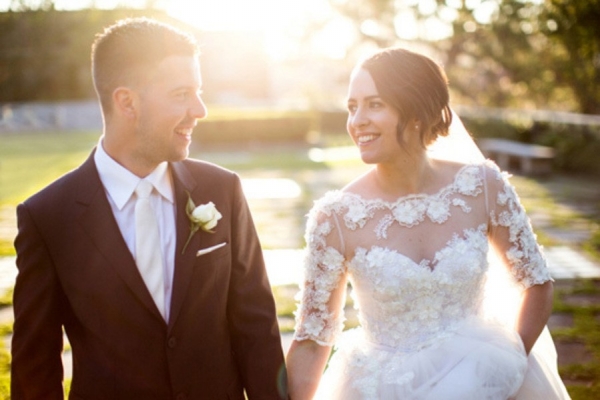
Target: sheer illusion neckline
[390, 204]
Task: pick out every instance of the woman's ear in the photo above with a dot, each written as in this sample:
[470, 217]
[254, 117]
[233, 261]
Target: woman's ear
[124, 100]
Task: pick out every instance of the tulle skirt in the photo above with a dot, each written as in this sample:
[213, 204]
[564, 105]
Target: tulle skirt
[477, 361]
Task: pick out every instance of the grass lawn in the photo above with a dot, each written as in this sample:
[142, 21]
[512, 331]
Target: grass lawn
[576, 333]
[30, 161]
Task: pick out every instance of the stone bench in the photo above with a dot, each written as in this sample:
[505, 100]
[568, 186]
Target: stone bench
[528, 159]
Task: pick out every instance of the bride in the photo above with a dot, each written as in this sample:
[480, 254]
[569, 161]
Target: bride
[415, 236]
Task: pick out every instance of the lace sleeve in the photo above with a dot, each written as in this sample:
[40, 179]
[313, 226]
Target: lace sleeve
[511, 233]
[319, 316]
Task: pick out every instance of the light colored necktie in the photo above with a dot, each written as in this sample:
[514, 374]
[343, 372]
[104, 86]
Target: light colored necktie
[148, 255]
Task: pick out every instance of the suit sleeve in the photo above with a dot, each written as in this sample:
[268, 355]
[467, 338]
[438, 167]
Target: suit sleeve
[251, 310]
[36, 368]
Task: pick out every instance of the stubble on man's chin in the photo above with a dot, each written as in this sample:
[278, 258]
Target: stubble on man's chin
[177, 156]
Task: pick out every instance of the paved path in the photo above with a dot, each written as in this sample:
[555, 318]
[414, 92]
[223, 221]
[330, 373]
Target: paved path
[566, 263]
[8, 273]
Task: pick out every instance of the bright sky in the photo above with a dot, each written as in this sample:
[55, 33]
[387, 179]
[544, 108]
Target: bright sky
[283, 22]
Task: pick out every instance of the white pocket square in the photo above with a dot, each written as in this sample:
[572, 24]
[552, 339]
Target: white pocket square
[207, 250]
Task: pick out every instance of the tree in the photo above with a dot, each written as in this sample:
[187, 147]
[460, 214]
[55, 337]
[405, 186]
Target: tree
[31, 5]
[574, 26]
[45, 54]
[498, 52]
[41, 58]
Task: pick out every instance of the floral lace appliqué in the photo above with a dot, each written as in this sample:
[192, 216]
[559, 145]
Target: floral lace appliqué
[527, 262]
[411, 210]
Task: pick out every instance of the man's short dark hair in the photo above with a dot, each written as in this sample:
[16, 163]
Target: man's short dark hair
[126, 51]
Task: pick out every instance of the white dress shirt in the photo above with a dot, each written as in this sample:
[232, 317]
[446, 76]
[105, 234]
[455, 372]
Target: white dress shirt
[119, 185]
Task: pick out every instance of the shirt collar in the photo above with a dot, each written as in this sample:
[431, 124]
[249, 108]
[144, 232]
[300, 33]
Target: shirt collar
[120, 183]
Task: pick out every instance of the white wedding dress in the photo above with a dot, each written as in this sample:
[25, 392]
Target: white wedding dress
[418, 268]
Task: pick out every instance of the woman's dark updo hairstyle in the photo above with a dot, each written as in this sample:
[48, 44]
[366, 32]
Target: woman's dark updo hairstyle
[416, 87]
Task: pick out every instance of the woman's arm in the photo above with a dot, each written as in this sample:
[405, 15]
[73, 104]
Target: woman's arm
[306, 362]
[512, 236]
[319, 318]
[534, 313]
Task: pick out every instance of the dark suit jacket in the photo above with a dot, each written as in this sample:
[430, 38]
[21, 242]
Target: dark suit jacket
[76, 272]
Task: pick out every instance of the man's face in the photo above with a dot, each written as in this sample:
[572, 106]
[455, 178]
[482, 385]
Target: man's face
[169, 105]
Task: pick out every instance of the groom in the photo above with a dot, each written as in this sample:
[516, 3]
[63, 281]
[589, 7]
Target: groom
[157, 302]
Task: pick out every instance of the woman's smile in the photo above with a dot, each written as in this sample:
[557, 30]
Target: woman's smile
[364, 139]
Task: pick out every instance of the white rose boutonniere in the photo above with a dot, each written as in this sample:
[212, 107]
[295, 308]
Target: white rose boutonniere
[204, 216]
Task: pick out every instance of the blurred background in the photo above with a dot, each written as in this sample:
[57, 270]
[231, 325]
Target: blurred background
[498, 53]
[524, 70]
[524, 77]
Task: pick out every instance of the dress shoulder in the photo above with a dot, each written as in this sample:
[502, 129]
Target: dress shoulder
[328, 203]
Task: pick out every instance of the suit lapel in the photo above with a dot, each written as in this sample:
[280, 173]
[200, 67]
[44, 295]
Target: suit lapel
[98, 221]
[184, 183]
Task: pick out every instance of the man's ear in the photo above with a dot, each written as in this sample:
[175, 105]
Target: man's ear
[124, 100]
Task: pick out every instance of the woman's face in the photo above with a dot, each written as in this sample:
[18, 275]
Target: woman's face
[372, 123]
